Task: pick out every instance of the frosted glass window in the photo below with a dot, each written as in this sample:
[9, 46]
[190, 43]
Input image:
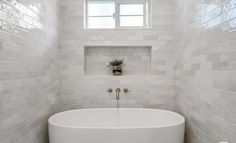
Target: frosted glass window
[131, 9]
[101, 9]
[101, 22]
[100, 14]
[128, 21]
[131, 15]
[117, 13]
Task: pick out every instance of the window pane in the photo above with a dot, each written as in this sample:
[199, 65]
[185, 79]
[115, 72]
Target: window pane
[131, 21]
[101, 22]
[131, 9]
[101, 8]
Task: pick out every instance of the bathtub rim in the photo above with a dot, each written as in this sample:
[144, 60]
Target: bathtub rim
[182, 122]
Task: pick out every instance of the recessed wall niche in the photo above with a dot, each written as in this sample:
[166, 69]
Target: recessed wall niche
[137, 59]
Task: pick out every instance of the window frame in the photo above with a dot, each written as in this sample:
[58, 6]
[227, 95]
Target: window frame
[146, 14]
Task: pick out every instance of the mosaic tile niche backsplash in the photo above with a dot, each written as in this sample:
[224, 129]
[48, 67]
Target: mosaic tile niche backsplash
[28, 69]
[205, 69]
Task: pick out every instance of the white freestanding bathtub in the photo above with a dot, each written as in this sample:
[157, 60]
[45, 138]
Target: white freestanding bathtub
[118, 125]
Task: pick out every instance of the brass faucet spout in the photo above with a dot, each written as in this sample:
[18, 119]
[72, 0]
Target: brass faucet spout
[118, 93]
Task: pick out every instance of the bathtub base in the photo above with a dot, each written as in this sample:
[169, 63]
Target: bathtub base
[173, 135]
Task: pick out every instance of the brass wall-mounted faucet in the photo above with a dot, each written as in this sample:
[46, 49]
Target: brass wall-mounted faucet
[118, 90]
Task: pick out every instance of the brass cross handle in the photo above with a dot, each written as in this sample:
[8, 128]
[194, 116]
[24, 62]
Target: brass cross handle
[126, 90]
[109, 90]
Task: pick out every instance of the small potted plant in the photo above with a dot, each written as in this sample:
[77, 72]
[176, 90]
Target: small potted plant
[116, 66]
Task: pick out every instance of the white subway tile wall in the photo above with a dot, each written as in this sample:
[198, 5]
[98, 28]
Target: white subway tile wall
[205, 73]
[193, 66]
[153, 89]
[28, 69]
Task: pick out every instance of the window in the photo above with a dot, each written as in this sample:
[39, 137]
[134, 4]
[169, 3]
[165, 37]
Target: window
[117, 14]
[100, 14]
